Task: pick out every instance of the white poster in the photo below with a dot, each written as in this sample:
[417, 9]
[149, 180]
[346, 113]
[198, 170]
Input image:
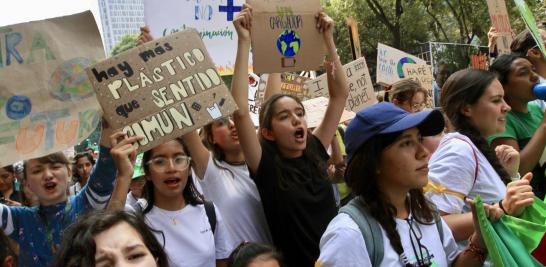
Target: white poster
[212, 18]
[389, 64]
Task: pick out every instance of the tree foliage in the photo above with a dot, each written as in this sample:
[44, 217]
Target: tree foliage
[127, 42]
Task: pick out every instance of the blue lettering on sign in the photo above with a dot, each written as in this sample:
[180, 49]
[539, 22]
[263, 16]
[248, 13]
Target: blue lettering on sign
[229, 9]
[18, 107]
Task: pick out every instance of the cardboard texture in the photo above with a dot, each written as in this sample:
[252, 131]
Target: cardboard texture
[212, 18]
[291, 84]
[162, 89]
[501, 22]
[253, 83]
[46, 100]
[423, 74]
[531, 24]
[361, 93]
[389, 64]
[285, 37]
[316, 108]
[355, 38]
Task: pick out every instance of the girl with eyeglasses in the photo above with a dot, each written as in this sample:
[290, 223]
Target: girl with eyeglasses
[408, 95]
[191, 235]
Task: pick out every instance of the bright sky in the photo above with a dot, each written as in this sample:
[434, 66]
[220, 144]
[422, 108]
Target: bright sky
[17, 11]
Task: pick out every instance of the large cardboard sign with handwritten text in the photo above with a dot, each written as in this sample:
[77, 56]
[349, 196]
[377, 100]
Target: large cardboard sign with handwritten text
[315, 109]
[360, 86]
[285, 37]
[423, 74]
[162, 89]
[390, 62]
[47, 103]
[501, 22]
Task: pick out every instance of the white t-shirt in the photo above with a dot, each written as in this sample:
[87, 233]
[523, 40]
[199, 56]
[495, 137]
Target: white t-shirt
[453, 166]
[342, 244]
[189, 242]
[236, 196]
[74, 189]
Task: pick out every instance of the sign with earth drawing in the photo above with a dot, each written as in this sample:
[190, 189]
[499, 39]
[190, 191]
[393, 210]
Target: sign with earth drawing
[47, 103]
[390, 62]
[285, 37]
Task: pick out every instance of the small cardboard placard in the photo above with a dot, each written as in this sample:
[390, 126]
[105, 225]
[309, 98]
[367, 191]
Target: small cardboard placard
[361, 93]
[531, 24]
[423, 74]
[390, 62]
[253, 83]
[291, 84]
[315, 109]
[501, 22]
[285, 37]
[162, 89]
[47, 103]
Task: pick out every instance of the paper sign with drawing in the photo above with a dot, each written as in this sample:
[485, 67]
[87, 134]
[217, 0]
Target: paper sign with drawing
[285, 37]
[361, 93]
[212, 18]
[162, 89]
[253, 83]
[423, 74]
[389, 64]
[47, 102]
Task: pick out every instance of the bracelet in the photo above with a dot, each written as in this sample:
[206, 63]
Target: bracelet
[502, 207]
[479, 253]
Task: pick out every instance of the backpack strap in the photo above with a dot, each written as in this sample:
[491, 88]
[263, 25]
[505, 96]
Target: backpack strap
[211, 214]
[369, 227]
[439, 226]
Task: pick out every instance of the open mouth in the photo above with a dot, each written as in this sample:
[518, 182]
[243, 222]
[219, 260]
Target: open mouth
[50, 186]
[299, 133]
[172, 182]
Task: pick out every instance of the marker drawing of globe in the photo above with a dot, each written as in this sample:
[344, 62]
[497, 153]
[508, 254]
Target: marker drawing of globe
[288, 43]
[69, 81]
[401, 63]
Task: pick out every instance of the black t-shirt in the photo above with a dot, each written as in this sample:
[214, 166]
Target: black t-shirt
[297, 214]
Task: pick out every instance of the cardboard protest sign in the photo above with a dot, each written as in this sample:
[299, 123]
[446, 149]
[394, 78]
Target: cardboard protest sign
[316, 108]
[253, 84]
[361, 93]
[423, 74]
[285, 37]
[212, 18]
[531, 24]
[291, 84]
[162, 89]
[501, 22]
[389, 64]
[46, 100]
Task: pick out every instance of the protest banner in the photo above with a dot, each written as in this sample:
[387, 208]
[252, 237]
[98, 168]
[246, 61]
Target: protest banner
[531, 24]
[285, 37]
[46, 100]
[253, 84]
[423, 74]
[291, 84]
[361, 93]
[501, 22]
[162, 89]
[389, 64]
[316, 108]
[212, 18]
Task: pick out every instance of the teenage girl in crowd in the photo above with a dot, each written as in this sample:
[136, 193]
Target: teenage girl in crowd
[110, 238]
[287, 163]
[464, 165]
[525, 123]
[408, 95]
[379, 138]
[38, 229]
[249, 254]
[83, 164]
[172, 206]
[8, 194]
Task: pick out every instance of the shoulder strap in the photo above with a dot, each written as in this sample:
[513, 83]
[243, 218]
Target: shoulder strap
[137, 207]
[211, 214]
[473, 151]
[369, 227]
[439, 226]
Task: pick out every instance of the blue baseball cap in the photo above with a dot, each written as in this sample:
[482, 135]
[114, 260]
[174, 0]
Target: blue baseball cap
[384, 118]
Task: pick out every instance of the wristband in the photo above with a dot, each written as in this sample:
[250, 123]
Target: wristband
[502, 207]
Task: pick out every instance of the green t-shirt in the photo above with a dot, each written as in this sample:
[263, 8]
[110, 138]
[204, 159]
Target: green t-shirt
[521, 127]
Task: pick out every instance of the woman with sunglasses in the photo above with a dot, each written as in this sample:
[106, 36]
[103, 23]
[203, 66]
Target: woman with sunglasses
[172, 206]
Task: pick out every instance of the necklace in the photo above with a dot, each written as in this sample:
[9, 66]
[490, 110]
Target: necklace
[173, 218]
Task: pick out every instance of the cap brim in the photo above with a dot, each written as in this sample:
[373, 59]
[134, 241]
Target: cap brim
[430, 122]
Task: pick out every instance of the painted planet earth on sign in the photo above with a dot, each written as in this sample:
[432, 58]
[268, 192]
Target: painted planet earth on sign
[288, 43]
[70, 82]
[401, 63]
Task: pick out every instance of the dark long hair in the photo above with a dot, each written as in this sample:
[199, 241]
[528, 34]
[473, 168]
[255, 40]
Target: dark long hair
[79, 156]
[246, 253]
[78, 246]
[361, 177]
[317, 166]
[190, 193]
[463, 88]
[217, 152]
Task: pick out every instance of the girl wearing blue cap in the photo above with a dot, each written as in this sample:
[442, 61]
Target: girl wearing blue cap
[464, 165]
[387, 168]
[287, 163]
